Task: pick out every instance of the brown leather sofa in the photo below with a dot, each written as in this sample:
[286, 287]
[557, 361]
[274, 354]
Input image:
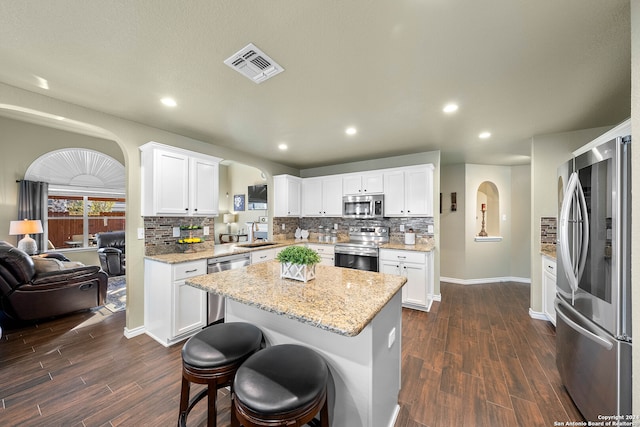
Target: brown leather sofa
[111, 252]
[27, 294]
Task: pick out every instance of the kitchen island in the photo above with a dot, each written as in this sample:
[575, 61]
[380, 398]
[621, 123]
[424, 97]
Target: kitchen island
[352, 317]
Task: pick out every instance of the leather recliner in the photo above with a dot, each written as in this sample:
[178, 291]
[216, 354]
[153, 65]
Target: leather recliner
[26, 294]
[111, 252]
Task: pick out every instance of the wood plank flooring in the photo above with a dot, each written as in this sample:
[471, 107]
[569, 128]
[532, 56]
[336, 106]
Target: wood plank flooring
[477, 359]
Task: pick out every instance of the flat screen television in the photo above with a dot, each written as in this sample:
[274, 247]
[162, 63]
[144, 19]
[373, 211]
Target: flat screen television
[257, 197]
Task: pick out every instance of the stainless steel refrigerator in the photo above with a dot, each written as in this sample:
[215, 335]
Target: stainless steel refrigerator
[593, 291]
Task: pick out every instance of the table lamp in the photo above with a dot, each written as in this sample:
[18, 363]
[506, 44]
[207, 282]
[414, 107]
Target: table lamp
[229, 219]
[26, 227]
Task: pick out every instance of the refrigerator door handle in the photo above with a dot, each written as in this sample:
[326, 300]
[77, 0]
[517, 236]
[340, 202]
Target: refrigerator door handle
[563, 231]
[583, 331]
[584, 241]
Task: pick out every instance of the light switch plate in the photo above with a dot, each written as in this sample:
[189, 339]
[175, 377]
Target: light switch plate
[140, 233]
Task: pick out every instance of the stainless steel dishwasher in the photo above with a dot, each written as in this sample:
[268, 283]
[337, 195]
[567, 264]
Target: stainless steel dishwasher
[215, 309]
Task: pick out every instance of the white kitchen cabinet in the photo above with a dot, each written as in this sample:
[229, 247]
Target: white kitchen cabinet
[287, 192]
[417, 267]
[173, 310]
[178, 182]
[409, 191]
[263, 255]
[363, 183]
[326, 253]
[322, 196]
[549, 287]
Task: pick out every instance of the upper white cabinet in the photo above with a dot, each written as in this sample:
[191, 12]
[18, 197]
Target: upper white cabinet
[409, 191]
[322, 196]
[363, 183]
[178, 182]
[287, 192]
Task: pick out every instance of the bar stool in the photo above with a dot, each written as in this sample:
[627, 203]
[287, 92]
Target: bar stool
[283, 385]
[212, 357]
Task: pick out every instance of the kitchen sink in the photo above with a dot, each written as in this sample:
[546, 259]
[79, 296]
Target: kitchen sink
[257, 244]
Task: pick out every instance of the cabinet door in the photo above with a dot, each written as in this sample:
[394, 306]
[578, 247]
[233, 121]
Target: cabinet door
[416, 284]
[373, 183]
[393, 267]
[286, 193]
[549, 288]
[189, 308]
[332, 196]
[204, 187]
[171, 183]
[351, 184]
[418, 192]
[312, 197]
[394, 194]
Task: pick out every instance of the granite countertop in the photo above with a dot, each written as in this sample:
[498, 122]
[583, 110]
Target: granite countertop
[548, 249]
[239, 248]
[339, 300]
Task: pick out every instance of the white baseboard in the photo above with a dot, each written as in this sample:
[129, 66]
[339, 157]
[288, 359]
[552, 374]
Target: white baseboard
[130, 333]
[437, 297]
[485, 280]
[538, 315]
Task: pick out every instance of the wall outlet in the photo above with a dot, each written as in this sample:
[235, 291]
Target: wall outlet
[205, 230]
[392, 337]
[401, 227]
[430, 228]
[140, 233]
[335, 226]
[283, 226]
[176, 231]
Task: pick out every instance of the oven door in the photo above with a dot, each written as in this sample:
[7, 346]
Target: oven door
[366, 260]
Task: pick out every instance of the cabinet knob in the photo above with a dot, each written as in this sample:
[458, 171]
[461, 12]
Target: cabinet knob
[186, 209]
[195, 210]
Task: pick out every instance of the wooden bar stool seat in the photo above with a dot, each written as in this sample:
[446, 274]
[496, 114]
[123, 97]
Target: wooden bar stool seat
[283, 385]
[212, 357]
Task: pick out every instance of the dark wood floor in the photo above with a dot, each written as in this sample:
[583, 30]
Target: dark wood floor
[477, 359]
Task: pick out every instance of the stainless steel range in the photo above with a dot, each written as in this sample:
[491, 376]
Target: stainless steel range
[361, 251]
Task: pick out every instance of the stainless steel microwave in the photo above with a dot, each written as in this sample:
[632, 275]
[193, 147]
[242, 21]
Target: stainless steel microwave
[363, 206]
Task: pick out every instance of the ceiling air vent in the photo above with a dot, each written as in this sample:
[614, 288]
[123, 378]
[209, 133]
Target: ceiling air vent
[252, 63]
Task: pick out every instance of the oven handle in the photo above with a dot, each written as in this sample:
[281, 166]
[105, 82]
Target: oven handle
[359, 252]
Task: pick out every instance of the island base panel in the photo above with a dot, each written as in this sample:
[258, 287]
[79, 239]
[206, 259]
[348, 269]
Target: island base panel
[365, 369]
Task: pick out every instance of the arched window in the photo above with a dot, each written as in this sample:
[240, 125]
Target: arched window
[86, 195]
[488, 202]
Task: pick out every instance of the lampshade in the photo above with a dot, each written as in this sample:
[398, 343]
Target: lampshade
[229, 218]
[27, 226]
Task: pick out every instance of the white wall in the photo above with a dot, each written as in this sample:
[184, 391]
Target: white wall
[452, 230]
[521, 221]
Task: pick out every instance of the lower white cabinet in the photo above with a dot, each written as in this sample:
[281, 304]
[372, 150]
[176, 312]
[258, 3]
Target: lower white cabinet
[417, 267]
[173, 310]
[549, 287]
[326, 252]
[263, 255]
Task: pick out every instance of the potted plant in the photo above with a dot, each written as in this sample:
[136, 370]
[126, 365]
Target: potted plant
[298, 263]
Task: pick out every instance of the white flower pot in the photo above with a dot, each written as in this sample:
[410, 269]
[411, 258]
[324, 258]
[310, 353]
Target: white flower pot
[300, 272]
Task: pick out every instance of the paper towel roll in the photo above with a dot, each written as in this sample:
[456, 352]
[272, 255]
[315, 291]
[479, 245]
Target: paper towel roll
[409, 238]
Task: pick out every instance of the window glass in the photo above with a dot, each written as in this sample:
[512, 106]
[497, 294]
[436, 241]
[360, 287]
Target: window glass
[74, 221]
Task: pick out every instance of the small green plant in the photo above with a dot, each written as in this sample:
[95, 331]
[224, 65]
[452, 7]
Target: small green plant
[298, 255]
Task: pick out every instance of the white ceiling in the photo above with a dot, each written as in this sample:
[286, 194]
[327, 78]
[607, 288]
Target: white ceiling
[517, 68]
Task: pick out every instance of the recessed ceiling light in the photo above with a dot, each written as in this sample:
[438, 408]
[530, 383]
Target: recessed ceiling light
[282, 146]
[351, 131]
[450, 108]
[484, 135]
[169, 102]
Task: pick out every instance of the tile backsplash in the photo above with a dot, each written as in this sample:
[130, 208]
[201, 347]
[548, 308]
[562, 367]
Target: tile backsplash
[419, 225]
[158, 234]
[548, 230]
